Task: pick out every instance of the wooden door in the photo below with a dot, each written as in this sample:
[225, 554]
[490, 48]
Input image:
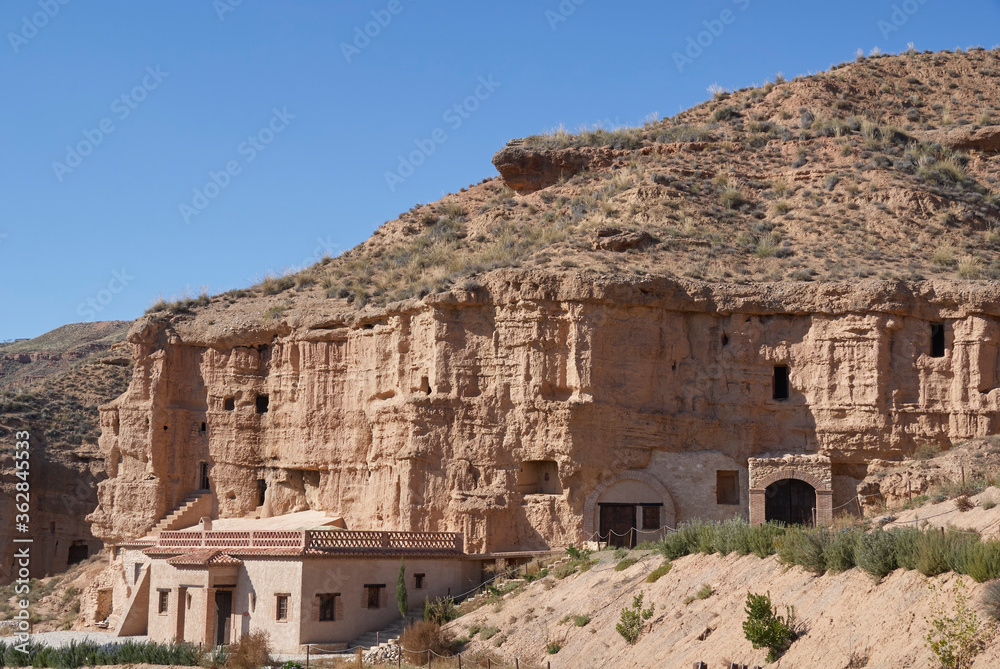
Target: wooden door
[618, 524]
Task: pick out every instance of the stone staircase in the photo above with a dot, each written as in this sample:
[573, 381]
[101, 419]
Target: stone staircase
[387, 636]
[195, 506]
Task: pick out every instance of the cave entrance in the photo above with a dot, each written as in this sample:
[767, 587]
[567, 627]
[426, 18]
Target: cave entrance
[790, 501]
[78, 552]
[618, 524]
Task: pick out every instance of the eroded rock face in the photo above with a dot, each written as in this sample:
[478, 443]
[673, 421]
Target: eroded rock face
[613, 239]
[986, 140]
[526, 170]
[446, 414]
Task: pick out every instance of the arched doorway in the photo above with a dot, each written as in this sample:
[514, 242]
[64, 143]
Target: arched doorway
[790, 501]
[628, 509]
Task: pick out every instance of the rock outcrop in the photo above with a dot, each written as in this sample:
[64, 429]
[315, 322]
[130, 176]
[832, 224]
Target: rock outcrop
[446, 413]
[526, 170]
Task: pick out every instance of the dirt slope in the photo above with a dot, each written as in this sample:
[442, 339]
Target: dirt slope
[843, 615]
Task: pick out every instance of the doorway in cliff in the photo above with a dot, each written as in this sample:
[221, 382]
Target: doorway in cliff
[618, 524]
[790, 501]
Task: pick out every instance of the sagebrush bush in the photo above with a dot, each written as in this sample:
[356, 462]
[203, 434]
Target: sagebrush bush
[876, 553]
[841, 548]
[252, 651]
[440, 610]
[804, 547]
[420, 637]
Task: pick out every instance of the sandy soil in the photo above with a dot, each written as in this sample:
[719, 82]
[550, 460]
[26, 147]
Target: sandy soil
[841, 616]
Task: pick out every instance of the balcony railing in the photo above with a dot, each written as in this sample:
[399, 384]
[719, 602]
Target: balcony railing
[331, 541]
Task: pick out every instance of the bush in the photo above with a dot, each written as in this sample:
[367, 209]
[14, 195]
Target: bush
[488, 632]
[420, 637]
[955, 640]
[764, 628]
[655, 575]
[252, 651]
[705, 591]
[840, 550]
[963, 503]
[876, 553]
[581, 620]
[632, 619]
[805, 548]
[620, 552]
[440, 611]
[991, 599]
[625, 564]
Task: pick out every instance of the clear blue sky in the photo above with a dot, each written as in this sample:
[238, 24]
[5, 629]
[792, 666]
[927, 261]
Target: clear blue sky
[202, 83]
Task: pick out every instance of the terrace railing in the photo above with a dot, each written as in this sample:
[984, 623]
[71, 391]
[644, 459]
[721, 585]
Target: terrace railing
[321, 540]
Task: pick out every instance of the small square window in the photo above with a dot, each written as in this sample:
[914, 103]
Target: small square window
[418, 581]
[727, 487]
[374, 595]
[281, 607]
[164, 600]
[650, 516]
[229, 403]
[327, 607]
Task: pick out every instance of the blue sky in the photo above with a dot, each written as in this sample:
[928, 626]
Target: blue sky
[150, 148]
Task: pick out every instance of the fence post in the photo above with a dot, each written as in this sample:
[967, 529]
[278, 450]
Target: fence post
[488, 665]
[428, 658]
[307, 656]
[517, 663]
[460, 661]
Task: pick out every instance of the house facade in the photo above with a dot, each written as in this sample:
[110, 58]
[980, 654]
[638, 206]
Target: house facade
[305, 586]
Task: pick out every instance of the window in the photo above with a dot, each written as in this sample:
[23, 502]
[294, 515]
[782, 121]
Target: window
[727, 487]
[164, 600]
[650, 516]
[937, 340]
[373, 595]
[229, 403]
[204, 427]
[203, 481]
[262, 402]
[328, 606]
[418, 581]
[780, 390]
[281, 607]
[538, 477]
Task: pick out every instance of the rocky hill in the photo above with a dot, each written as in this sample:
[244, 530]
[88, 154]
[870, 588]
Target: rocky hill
[617, 306]
[51, 387]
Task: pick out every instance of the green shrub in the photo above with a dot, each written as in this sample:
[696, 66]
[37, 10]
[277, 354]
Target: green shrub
[625, 564]
[488, 632]
[908, 541]
[620, 552]
[805, 548]
[662, 570]
[876, 553]
[764, 628]
[553, 647]
[632, 619]
[440, 610]
[581, 620]
[840, 550]
[955, 639]
[705, 591]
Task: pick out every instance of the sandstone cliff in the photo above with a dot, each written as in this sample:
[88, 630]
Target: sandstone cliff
[422, 417]
[632, 316]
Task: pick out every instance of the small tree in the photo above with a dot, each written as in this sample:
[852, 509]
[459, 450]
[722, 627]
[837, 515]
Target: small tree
[632, 619]
[401, 599]
[764, 628]
[956, 640]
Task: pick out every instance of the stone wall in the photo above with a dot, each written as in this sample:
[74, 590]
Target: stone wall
[419, 417]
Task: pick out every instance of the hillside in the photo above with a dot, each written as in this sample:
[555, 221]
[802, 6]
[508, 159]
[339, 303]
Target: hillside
[846, 620]
[52, 386]
[883, 169]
